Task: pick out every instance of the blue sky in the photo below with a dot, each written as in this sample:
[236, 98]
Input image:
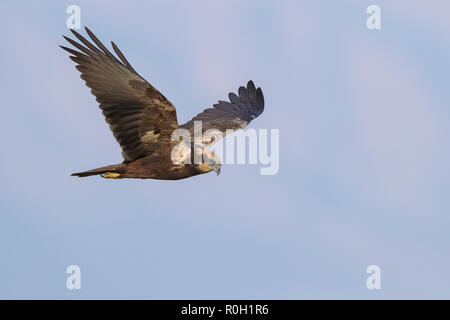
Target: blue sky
[364, 152]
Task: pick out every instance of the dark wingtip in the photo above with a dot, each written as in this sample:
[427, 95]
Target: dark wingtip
[233, 98]
[260, 97]
[251, 90]
[89, 32]
[74, 31]
[71, 51]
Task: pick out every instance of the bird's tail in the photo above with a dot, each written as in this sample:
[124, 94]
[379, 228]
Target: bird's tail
[112, 172]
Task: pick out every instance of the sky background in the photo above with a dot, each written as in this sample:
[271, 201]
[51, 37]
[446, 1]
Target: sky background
[364, 154]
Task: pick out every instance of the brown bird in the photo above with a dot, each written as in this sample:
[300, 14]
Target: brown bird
[143, 120]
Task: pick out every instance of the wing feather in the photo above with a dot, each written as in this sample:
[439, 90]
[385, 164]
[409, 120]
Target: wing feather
[131, 106]
[235, 114]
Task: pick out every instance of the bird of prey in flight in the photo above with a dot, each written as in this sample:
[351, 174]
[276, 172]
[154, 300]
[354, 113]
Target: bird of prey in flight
[143, 120]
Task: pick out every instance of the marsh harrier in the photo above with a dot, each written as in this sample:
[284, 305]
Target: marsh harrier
[143, 120]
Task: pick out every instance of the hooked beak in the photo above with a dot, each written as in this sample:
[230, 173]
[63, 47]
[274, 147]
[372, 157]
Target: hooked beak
[216, 168]
[213, 163]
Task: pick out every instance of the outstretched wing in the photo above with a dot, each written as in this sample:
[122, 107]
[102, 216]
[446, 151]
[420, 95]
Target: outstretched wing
[140, 117]
[235, 115]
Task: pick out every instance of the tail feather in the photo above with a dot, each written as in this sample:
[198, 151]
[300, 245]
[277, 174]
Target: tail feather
[117, 168]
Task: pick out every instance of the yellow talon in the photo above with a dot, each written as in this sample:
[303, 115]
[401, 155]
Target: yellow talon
[111, 175]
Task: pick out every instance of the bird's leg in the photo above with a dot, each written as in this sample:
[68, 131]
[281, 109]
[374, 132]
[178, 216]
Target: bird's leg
[111, 175]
